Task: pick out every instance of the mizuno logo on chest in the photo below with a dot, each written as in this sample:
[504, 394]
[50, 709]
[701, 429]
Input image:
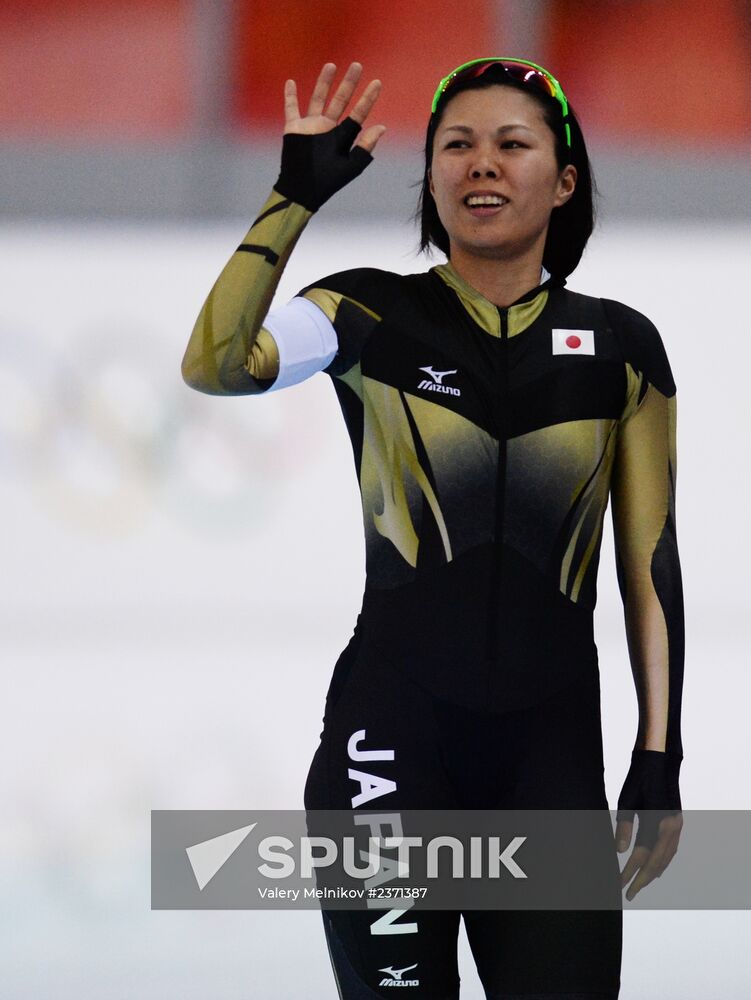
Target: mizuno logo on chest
[437, 384]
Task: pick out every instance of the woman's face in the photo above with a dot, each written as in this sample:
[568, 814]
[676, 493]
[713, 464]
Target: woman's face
[494, 175]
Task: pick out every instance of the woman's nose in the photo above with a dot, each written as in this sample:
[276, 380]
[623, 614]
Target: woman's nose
[484, 165]
[486, 172]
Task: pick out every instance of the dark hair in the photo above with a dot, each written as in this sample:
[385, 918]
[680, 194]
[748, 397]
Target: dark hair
[571, 224]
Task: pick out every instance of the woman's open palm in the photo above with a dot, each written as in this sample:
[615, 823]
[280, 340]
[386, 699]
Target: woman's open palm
[324, 112]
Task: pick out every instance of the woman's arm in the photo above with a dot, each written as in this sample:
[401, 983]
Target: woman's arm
[230, 351]
[643, 488]
[648, 565]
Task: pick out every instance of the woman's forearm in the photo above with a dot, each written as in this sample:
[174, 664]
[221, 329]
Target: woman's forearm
[229, 352]
[649, 569]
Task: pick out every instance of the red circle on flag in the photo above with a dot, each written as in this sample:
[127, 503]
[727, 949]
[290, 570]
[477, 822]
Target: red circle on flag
[573, 340]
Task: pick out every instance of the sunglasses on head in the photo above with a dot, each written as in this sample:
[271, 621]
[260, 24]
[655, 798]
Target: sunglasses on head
[521, 70]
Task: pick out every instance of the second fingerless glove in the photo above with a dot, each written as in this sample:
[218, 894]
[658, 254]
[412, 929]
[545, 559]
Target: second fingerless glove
[651, 784]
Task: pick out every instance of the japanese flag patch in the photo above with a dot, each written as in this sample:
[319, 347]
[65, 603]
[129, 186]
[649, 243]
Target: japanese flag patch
[573, 342]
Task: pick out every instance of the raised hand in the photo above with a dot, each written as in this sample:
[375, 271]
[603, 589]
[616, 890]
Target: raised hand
[318, 155]
[321, 117]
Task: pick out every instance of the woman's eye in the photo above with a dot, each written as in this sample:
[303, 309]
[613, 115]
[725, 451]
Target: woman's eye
[456, 143]
[512, 142]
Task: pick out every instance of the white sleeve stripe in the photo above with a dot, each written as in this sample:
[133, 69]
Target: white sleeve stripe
[305, 338]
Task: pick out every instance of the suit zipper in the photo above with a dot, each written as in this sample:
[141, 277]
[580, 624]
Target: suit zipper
[500, 494]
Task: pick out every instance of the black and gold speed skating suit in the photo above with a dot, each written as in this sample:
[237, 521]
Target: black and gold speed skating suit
[487, 442]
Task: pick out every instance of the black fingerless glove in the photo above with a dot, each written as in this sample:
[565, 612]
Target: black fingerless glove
[314, 167]
[651, 784]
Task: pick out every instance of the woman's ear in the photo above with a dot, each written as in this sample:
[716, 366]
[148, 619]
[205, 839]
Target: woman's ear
[566, 185]
[430, 182]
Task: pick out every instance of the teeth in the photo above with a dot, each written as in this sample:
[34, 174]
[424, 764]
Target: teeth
[485, 199]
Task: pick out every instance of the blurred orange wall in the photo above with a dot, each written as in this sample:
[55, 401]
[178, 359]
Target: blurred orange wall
[109, 68]
[678, 72]
[675, 72]
[409, 46]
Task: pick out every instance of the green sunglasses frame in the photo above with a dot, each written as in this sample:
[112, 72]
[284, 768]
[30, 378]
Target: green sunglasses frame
[557, 90]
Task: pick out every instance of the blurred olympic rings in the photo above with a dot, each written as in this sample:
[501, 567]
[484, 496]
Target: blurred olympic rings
[107, 434]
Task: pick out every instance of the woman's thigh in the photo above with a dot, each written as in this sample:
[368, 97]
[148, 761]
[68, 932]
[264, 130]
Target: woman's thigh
[553, 759]
[379, 753]
[388, 745]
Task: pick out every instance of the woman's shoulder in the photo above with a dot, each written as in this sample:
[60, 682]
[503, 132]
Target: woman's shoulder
[640, 342]
[361, 283]
[629, 321]
[620, 316]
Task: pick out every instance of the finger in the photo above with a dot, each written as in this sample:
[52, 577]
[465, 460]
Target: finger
[647, 874]
[656, 861]
[669, 852]
[654, 864]
[365, 104]
[649, 871]
[321, 89]
[629, 870]
[624, 831]
[639, 882]
[370, 136]
[667, 843]
[344, 91]
[637, 858]
[291, 107]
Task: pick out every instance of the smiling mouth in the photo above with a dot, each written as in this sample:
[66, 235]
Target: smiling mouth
[485, 201]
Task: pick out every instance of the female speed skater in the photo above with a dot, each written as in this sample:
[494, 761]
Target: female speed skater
[493, 413]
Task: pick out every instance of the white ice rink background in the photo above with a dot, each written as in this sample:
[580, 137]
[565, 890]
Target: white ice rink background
[181, 571]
